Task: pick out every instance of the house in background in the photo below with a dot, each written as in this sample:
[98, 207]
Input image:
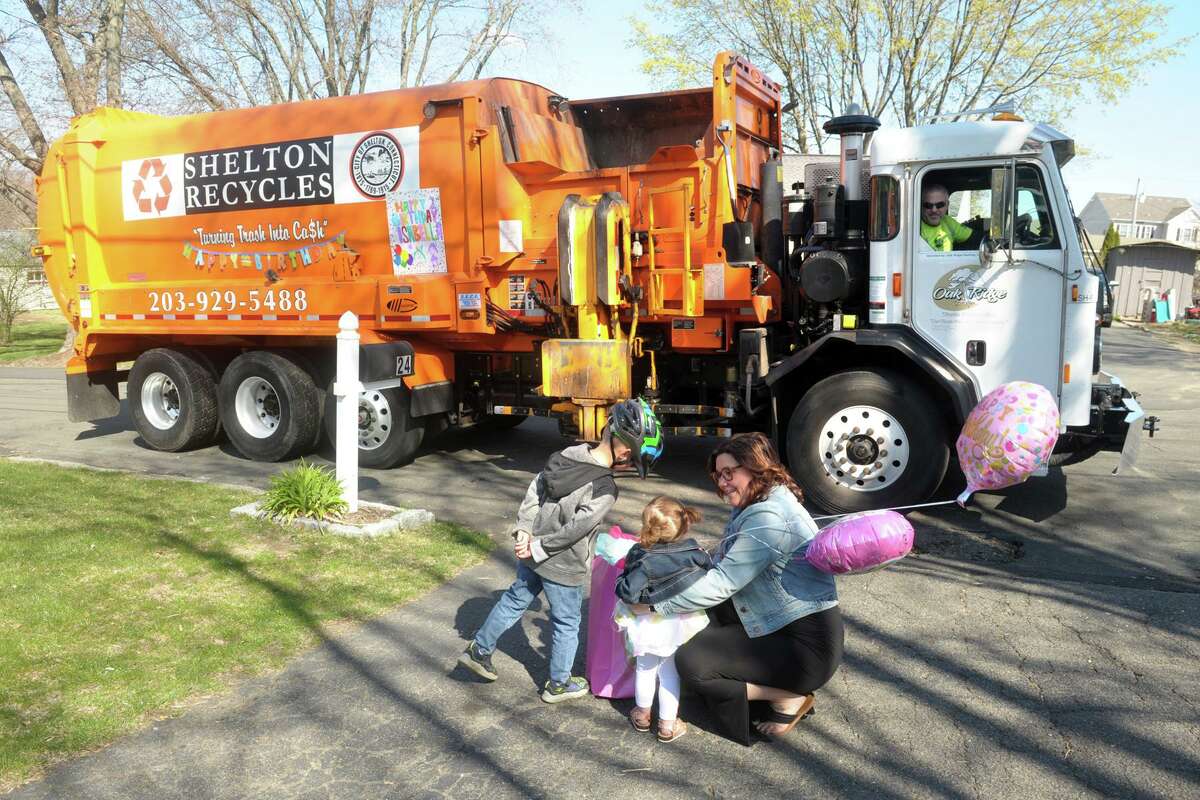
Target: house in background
[14, 254]
[1170, 219]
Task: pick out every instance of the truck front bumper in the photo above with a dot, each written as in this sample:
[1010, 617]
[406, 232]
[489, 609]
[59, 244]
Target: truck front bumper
[1118, 420]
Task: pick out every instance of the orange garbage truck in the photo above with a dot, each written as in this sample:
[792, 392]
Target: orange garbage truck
[509, 252]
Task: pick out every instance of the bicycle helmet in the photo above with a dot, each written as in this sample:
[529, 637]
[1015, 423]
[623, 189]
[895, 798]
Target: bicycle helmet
[635, 424]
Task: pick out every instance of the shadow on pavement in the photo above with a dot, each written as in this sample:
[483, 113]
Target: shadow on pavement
[107, 427]
[514, 643]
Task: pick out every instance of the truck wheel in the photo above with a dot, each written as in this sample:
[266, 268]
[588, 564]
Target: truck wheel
[865, 440]
[270, 406]
[173, 399]
[388, 435]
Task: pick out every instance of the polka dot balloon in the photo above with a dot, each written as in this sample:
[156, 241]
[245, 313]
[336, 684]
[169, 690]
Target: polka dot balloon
[1007, 437]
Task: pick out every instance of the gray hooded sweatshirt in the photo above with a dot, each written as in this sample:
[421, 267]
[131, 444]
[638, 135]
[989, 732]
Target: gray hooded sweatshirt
[563, 508]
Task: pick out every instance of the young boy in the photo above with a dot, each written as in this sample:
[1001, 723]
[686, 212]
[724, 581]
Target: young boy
[556, 524]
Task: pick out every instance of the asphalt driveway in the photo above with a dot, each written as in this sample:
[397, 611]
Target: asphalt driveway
[1043, 643]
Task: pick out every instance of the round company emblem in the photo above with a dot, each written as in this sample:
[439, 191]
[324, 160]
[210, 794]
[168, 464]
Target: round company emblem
[377, 164]
[152, 187]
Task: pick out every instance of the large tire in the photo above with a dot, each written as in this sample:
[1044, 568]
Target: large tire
[865, 440]
[388, 434]
[270, 406]
[173, 398]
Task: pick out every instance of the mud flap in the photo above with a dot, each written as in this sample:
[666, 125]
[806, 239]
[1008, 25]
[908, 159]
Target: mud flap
[92, 396]
[1133, 435]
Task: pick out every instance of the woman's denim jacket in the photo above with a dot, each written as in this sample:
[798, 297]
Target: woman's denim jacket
[658, 574]
[760, 567]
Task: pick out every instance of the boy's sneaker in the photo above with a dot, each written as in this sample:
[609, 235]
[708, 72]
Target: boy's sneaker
[557, 692]
[477, 662]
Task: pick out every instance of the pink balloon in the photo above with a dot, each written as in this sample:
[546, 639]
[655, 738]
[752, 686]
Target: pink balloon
[1007, 437]
[861, 543]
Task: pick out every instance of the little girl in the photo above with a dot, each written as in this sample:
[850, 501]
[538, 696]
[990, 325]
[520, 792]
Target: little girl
[660, 566]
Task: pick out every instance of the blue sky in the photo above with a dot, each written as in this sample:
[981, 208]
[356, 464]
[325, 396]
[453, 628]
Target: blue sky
[1150, 133]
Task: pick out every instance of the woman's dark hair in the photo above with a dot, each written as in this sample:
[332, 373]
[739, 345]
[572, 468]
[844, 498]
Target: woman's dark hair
[755, 452]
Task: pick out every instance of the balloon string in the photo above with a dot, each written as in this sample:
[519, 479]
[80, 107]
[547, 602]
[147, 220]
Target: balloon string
[893, 508]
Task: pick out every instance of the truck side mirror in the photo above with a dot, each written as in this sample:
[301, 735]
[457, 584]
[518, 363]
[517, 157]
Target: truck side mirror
[987, 250]
[999, 235]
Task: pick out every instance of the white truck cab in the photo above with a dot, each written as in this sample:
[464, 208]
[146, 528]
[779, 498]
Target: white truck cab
[1016, 300]
[976, 276]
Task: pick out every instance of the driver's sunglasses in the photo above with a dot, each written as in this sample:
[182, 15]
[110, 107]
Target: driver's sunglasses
[930, 206]
[725, 474]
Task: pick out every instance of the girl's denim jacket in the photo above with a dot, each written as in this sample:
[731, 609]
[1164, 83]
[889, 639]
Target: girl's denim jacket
[760, 567]
[658, 574]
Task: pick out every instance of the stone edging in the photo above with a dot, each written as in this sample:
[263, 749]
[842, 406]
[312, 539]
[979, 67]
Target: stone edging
[402, 520]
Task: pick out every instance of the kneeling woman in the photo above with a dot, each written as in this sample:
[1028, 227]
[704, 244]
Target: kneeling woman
[775, 630]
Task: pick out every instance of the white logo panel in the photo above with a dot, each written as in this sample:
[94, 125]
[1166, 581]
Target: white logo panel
[152, 188]
[369, 164]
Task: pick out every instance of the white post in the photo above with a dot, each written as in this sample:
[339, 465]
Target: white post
[346, 388]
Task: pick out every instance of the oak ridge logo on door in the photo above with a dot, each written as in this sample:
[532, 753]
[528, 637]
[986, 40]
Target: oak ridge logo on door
[343, 168]
[963, 288]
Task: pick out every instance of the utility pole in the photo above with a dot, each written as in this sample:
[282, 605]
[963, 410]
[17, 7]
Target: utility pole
[1133, 222]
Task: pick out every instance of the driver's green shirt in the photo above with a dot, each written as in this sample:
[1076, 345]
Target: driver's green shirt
[945, 234]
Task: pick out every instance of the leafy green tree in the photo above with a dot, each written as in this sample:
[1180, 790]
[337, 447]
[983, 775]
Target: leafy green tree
[911, 59]
[1111, 239]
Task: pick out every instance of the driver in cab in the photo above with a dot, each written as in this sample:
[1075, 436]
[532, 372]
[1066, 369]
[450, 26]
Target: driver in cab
[939, 230]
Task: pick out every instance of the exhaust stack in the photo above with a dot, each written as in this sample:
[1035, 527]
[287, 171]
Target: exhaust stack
[852, 127]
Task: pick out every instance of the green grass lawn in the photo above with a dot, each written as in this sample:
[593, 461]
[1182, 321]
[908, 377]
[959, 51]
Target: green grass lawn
[33, 336]
[121, 597]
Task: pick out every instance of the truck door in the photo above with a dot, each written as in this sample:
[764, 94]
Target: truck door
[998, 310]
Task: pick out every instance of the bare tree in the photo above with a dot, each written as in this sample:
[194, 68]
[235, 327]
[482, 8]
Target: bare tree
[16, 290]
[910, 59]
[83, 40]
[78, 52]
[230, 53]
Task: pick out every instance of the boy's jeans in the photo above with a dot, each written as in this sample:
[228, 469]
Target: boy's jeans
[564, 617]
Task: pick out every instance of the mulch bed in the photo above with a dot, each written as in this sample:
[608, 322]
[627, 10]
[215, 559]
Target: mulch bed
[364, 516]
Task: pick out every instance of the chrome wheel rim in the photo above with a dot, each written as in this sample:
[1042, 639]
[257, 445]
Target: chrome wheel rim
[257, 406]
[374, 420]
[863, 448]
[160, 401]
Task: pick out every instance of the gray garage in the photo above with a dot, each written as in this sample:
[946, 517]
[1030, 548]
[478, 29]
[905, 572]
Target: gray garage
[1147, 269]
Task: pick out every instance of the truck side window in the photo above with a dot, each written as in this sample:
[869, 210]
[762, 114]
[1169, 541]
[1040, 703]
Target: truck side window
[1034, 227]
[959, 204]
[884, 221]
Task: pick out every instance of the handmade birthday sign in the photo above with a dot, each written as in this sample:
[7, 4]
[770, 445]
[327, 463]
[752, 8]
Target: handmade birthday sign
[415, 232]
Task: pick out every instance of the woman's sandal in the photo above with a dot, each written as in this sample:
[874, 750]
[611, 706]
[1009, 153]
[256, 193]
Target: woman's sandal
[790, 720]
[639, 718]
[678, 728]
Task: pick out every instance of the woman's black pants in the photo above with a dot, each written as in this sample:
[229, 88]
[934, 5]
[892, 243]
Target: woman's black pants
[718, 662]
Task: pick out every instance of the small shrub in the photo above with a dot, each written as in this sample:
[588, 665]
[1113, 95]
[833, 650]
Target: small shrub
[306, 490]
